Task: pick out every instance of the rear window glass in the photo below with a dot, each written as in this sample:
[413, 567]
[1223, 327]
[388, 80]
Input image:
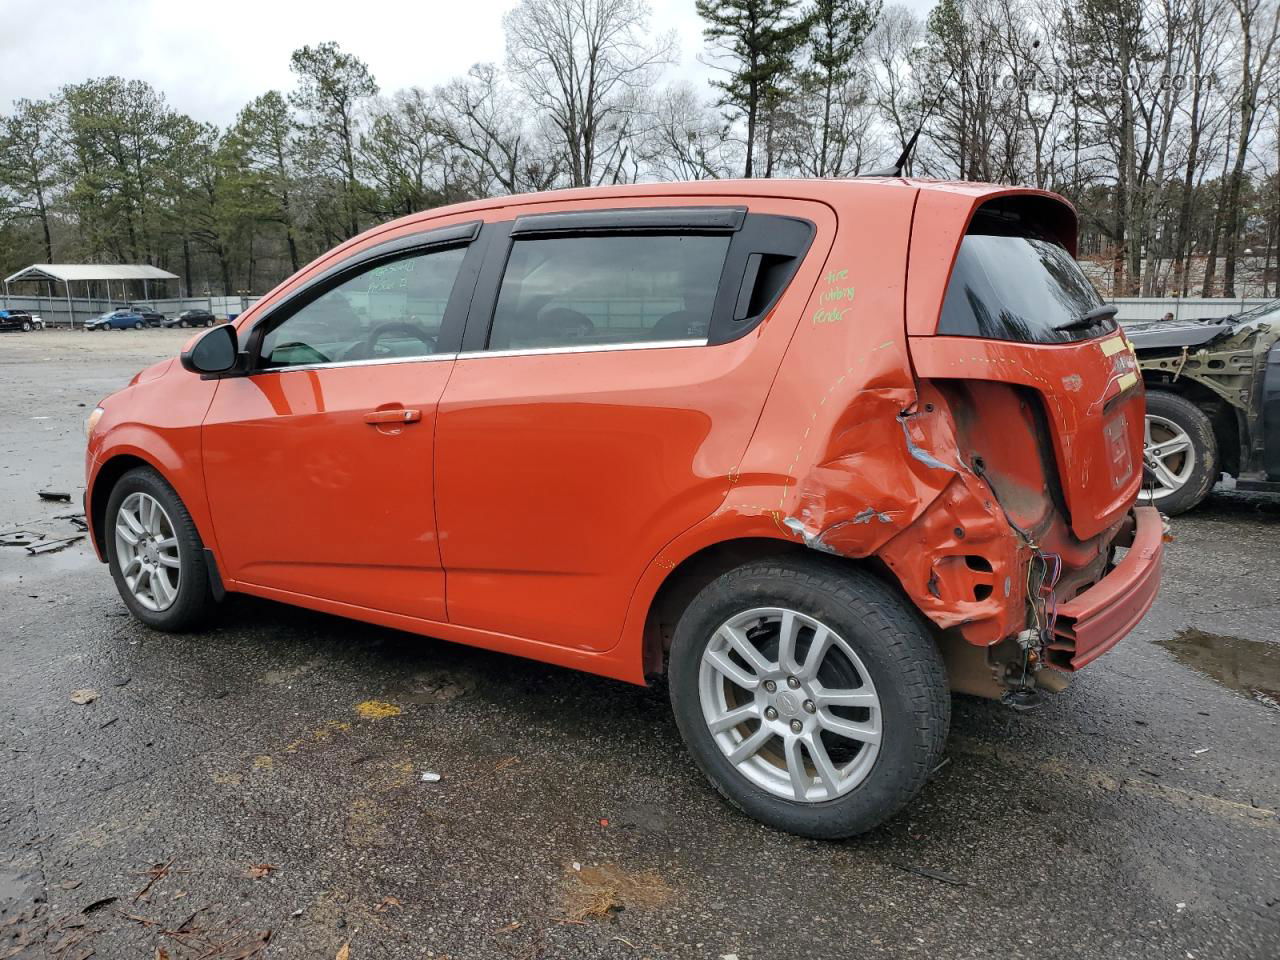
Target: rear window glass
[582, 291]
[1019, 288]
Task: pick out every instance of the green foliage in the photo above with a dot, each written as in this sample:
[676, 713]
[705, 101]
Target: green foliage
[760, 40]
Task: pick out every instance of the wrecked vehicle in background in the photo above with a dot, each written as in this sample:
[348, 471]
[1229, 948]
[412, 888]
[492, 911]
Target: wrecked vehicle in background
[1213, 405]
[718, 430]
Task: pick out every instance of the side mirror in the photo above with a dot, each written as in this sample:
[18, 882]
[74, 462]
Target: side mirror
[214, 352]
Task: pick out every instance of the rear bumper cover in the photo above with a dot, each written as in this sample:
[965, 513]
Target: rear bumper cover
[1095, 620]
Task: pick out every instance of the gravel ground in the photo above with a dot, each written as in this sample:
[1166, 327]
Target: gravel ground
[262, 781]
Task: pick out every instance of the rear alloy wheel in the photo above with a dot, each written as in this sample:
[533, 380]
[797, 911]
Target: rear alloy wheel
[155, 554]
[138, 325]
[810, 694]
[1180, 454]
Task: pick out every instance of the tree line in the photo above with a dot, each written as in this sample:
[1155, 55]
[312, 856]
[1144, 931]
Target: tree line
[1159, 119]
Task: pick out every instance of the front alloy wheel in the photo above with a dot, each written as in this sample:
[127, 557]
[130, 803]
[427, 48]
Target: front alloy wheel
[790, 704]
[1168, 455]
[155, 552]
[148, 550]
[1179, 455]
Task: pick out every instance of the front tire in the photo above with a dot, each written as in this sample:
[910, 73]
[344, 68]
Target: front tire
[811, 695]
[26, 326]
[1180, 454]
[155, 553]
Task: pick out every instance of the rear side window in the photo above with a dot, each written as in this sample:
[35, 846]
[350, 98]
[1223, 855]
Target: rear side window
[611, 289]
[1021, 288]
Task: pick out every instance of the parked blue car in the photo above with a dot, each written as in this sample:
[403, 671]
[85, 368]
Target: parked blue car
[118, 320]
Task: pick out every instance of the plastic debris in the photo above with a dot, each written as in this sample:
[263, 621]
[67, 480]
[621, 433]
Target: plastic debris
[429, 776]
[56, 495]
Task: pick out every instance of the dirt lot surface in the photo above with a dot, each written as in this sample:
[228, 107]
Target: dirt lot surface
[257, 789]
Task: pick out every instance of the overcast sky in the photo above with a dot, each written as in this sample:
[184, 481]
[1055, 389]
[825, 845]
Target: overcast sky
[211, 57]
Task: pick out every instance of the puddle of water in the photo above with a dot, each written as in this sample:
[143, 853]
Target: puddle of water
[18, 886]
[1250, 666]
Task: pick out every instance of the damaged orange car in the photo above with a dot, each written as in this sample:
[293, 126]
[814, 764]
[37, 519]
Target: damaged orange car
[818, 451]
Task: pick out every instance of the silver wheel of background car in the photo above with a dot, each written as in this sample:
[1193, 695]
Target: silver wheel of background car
[790, 704]
[147, 551]
[1168, 455]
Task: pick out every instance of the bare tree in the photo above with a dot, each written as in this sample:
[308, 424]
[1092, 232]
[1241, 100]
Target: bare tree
[576, 60]
[1259, 22]
[485, 125]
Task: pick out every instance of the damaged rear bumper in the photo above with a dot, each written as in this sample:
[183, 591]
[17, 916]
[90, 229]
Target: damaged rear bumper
[1095, 620]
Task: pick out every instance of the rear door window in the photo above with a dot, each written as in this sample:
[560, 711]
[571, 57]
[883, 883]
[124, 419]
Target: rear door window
[1021, 288]
[582, 291]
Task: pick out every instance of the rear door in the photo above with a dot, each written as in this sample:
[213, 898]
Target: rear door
[318, 464]
[614, 365]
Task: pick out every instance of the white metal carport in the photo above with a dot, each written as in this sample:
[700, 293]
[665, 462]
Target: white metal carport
[69, 273]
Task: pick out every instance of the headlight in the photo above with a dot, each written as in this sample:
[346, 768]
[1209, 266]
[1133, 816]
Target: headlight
[92, 420]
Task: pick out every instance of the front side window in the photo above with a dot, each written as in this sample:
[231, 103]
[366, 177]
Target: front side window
[389, 311]
[597, 290]
[1020, 288]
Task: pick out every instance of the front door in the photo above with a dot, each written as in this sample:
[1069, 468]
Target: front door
[318, 464]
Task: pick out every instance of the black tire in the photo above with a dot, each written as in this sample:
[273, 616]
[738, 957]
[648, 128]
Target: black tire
[194, 600]
[898, 651]
[26, 326]
[209, 322]
[139, 325]
[1205, 473]
[182, 323]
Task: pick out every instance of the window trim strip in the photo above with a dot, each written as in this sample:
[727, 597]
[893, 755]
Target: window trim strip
[477, 354]
[708, 219]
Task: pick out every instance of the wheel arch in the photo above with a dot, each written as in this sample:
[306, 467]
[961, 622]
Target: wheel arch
[686, 579]
[108, 473]
[1226, 422]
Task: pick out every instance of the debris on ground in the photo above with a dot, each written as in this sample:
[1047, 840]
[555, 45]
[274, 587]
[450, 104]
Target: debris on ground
[55, 495]
[53, 546]
[386, 904]
[607, 888]
[344, 952]
[34, 536]
[933, 875]
[157, 872]
[20, 538]
[87, 695]
[377, 709]
[430, 776]
[257, 871]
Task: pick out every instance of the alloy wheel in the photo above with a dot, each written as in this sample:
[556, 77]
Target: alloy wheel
[147, 551]
[790, 704]
[1168, 456]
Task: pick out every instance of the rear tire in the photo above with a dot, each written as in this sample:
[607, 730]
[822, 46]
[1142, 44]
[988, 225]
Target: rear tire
[139, 325]
[878, 649]
[179, 606]
[1171, 483]
[26, 326]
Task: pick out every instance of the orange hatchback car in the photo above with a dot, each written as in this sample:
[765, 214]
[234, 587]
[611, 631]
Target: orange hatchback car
[819, 451]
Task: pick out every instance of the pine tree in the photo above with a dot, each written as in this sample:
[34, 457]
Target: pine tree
[760, 39]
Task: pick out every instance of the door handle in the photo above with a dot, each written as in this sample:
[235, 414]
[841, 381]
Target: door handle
[378, 417]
